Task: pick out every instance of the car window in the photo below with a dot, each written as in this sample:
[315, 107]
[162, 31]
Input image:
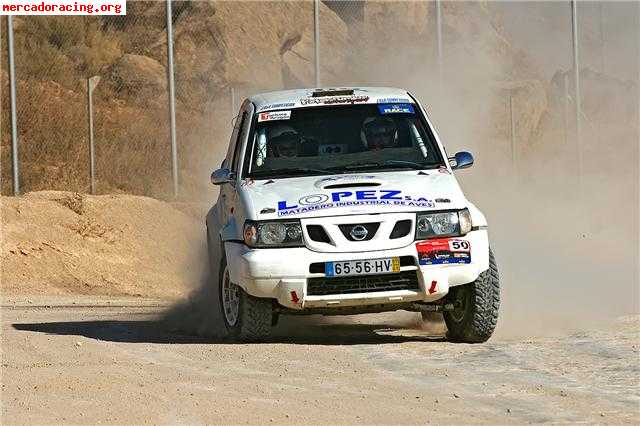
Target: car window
[340, 139]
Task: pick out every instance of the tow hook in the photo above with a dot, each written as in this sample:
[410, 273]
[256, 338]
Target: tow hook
[423, 307]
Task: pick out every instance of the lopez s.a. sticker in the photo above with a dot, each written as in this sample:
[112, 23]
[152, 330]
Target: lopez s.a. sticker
[396, 109]
[274, 115]
[377, 197]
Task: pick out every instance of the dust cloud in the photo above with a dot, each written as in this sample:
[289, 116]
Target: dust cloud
[566, 242]
[197, 315]
[563, 216]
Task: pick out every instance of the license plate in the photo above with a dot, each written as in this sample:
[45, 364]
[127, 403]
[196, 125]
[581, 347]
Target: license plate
[362, 267]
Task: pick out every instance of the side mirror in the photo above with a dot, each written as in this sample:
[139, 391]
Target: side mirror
[462, 160]
[222, 176]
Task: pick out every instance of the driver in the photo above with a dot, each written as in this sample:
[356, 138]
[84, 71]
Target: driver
[284, 141]
[379, 132]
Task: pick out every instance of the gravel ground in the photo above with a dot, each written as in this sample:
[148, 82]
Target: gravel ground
[98, 360]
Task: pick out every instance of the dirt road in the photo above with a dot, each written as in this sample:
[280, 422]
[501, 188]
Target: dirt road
[93, 360]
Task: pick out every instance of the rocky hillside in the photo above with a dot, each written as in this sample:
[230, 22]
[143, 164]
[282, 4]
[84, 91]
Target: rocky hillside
[247, 46]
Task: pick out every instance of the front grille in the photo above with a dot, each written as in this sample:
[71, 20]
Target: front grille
[407, 280]
[371, 228]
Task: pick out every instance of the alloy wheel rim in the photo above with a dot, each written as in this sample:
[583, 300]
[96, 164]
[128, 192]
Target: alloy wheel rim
[230, 299]
[459, 306]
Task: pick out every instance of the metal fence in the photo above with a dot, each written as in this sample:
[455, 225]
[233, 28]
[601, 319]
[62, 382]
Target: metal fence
[143, 103]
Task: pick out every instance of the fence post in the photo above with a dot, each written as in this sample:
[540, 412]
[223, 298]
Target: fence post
[566, 108]
[576, 69]
[513, 131]
[316, 39]
[92, 82]
[172, 99]
[14, 120]
[439, 41]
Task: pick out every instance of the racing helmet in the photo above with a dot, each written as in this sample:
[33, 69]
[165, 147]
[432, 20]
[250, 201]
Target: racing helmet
[379, 132]
[284, 141]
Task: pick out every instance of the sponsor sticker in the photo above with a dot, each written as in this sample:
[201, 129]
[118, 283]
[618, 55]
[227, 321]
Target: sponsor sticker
[394, 101]
[378, 197]
[330, 149]
[278, 106]
[275, 115]
[444, 251]
[334, 100]
[396, 109]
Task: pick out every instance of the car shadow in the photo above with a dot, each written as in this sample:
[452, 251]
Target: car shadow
[153, 331]
[111, 331]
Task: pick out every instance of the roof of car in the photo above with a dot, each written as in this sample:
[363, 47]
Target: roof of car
[299, 98]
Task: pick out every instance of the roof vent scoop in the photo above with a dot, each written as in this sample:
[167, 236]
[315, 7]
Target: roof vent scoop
[331, 92]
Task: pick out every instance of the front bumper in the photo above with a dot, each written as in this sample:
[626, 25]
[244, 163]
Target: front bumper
[282, 274]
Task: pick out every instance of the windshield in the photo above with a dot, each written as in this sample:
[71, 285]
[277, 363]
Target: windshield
[321, 140]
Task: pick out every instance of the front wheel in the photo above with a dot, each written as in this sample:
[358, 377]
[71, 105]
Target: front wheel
[476, 307]
[246, 317]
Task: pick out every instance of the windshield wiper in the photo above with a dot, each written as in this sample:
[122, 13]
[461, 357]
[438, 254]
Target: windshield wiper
[387, 164]
[411, 164]
[357, 166]
[290, 170]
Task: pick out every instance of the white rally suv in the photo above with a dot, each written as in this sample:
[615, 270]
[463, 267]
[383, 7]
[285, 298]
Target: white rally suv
[343, 201]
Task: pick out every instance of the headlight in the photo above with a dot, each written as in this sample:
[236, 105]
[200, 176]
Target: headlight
[443, 224]
[464, 219]
[272, 234]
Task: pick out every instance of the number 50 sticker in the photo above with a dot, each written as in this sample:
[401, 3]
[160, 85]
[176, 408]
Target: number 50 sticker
[459, 245]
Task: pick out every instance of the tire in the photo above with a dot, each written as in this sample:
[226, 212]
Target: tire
[254, 316]
[477, 304]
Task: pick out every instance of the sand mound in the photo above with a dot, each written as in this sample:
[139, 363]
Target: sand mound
[57, 242]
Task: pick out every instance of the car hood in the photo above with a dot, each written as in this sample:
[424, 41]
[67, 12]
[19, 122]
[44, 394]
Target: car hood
[365, 193]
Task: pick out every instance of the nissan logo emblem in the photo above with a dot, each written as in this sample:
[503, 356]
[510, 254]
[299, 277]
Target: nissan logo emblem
[359, 233]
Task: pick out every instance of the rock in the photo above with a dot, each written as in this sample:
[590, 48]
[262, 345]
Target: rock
[412, 17]
[78, 344]
[216, 45]
[138, 78]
